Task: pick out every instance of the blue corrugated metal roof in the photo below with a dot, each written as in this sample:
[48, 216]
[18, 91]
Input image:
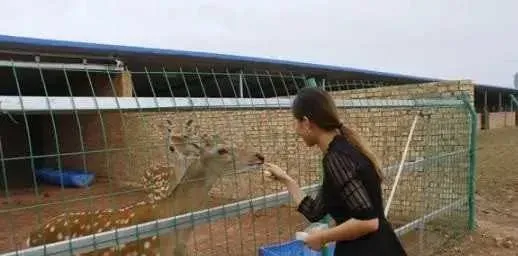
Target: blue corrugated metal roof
[122, 50]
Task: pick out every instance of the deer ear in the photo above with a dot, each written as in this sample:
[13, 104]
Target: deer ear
[170, 128]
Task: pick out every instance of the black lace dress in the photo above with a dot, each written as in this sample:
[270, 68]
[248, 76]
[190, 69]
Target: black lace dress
[351, 189]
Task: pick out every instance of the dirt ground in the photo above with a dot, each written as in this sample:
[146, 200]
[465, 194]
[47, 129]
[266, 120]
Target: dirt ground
[496, 197]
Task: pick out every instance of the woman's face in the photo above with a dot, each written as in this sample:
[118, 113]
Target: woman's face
[303, 128]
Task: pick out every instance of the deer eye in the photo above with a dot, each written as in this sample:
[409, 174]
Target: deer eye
[222, 151]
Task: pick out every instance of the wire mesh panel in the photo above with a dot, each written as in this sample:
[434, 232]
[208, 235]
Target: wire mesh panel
[115, 162]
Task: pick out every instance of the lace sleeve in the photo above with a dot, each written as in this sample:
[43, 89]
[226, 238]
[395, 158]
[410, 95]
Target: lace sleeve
[343, 174]
[312, 209]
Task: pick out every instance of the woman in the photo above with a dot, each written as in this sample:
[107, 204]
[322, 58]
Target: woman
[351, 191]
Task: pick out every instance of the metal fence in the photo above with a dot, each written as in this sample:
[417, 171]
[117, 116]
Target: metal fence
[63, 125]
[514, 102]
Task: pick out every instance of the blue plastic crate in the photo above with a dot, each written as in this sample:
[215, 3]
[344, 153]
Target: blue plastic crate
[292, 248]
[65, 177]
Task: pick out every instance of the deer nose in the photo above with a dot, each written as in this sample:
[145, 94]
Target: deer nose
[260, 157]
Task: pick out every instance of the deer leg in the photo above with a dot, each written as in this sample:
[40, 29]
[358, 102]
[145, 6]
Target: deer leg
[181, 250]
[181, 242]
[175, 244]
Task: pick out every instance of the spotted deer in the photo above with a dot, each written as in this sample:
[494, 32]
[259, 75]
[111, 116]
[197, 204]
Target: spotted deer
[180, 187]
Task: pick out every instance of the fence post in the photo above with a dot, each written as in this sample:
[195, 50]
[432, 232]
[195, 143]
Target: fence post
[514, 101]
[472, 160]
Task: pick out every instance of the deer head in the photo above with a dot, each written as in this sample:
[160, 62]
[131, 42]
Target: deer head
[195, 158]
[210, 158]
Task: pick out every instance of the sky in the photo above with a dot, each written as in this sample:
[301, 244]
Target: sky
[446, 39]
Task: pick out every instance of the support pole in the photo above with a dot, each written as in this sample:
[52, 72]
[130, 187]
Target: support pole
[324, 84]
[514, 103]
[472, 161]
[403, 158]
[485, 113]
[124, 84]
[241, 84]
[500, 108]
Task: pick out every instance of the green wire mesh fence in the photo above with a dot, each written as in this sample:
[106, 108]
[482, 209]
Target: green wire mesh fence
[117, 161]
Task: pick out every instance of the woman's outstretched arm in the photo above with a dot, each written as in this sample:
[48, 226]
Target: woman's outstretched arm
[312, 209]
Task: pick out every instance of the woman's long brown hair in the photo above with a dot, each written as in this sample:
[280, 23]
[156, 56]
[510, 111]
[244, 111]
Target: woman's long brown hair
[319, 107]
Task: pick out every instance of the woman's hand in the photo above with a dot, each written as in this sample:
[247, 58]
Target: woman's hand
[277, 172]
[273, 170]
[314, 241]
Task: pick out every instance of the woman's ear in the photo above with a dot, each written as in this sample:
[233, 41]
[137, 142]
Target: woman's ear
[306, 126]
[306, 123]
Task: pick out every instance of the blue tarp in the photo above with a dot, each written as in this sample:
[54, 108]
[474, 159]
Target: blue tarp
[65, 177]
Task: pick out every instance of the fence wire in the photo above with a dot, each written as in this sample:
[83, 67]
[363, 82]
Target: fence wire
[158, 143]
